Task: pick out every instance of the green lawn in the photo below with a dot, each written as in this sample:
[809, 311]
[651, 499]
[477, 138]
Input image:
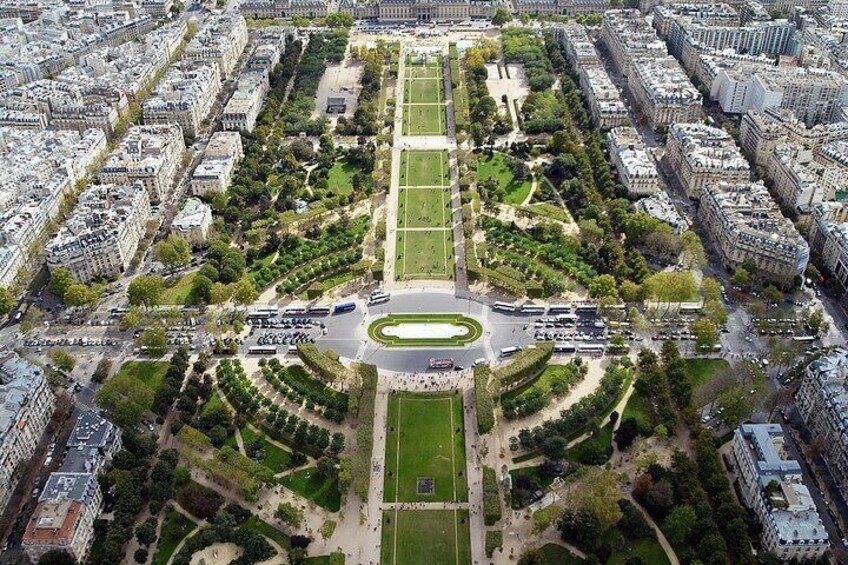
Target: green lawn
[418, 71]
[340, 179]
[275, 458]
[179, 291]
[425, 208]
[542, 381]
[131, 392]
[702, 370]
[648, 550]
[174, 529]
[424, 168]
[311, 485]
[496, 167]
[557, 555]
[422, 537]
[548, 210]
[425, 254]
[423, 91]
[264, 528]
[425, 439]
[639, 408]
[151, 373]
[424, 119]
[600, 443]
[377, 329]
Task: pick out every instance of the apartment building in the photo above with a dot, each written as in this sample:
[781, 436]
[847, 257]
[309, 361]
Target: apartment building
[665, 15]
[193, 222]
[12, 261]
[156, 8]
[92, 444]
[244, 105]
[770, 37]
[151, 154]
[214, 173]
[627, 37]
[660, 207]
[701, 154]
[26, 404]
[798, 181]
[772, 485]
[221, 41]
[746, 227]
[184, 96]
[761, 132]
[828, 236]
[579, 49]
[284, 8]
[822, 401]
[664, 92]
[604, 98]
[833, 156]
[101, 236]
[635, 167]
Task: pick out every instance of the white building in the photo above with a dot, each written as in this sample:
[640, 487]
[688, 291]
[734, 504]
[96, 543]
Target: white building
[829, 237]
[761, 132]
[700, 154]
[604, 98]
[184, 96]
[101, 236]
[193, 221]
[664, 92]
[797, 179]
[772, 485]
[660, 207]
[635, 167]
[244, 106]
[214, 173]
[221, 41]
[628, 36]
[579, 50]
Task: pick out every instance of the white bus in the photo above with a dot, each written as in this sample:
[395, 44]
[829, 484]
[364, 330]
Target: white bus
[564, 347]
[267, 310]
[591, 348]
[509, 351]
[567, 319]
[318, 310]
[804, 338]
[294, 310]
[586, 308]
[503, 307]
[559, 308]
[378, 299]
[532, 309]
[262, 350]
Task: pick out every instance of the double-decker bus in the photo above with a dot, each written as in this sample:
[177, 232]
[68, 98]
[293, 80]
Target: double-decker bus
[441, 363]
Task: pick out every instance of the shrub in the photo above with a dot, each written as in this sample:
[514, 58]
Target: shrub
[484, 402]
[524, 365]
[491, 497]
[325, 367]
[494, 540]
[361, 460]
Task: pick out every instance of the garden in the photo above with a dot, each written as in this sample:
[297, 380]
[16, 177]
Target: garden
[422, 537]
[554, 382]
[301, 388]
[502, 178]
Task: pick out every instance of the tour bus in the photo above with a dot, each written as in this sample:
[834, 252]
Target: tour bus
[344, 307]
[503, 307]
[259, 315]
[691, 308]
[591, 348]
[564, 347]
[378, 298]
[318, 310]
[509, 351]
[441, 363]
[804, 338]
[586, 308]
[294, 310]
[272, 310]
[532, 309]
[567, 319]
[559, 308]
[262, 350]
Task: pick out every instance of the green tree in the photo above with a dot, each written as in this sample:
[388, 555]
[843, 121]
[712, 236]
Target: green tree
[705, 334]
[64, 361]
[60, 279]
[145, 290]
[679, 524]
[244, 292]
[555, 448]
[710, 289]
[741, 278]
[716, 312]
[79, 294]
[220, 293]
[338, 19]
[502, 16]
[599, 497]
[57, 557]
[692, 250]
[173, 252]
[735, 404]
[772, 294]
[146, 532]
[7, 301]
[155, 340]
[603, 286]
[132, 319]
[288, 513]
[629, 291]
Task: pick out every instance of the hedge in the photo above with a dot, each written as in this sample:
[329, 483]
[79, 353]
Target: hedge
[361, 460]
[491, 497]
[328, 369]
[235, 459]
[525, 364]
[494, 540]
[484, 401]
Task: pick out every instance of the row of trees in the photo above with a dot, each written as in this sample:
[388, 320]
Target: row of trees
[367, 119]
[301, 388]
[537, 396]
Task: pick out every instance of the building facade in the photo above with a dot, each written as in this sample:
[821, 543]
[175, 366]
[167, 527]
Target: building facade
[700, 154]
[629, 156]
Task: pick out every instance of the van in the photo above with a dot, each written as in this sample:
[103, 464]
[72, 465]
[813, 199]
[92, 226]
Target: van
[480, 361]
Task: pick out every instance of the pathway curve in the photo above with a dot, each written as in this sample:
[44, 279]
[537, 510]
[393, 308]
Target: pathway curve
[669, 551]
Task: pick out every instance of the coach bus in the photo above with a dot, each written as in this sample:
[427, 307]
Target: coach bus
[804, 338]
[564, 347]
[262, 350]
[259, 315]
[503, 307]
[378, 298]
[441, 363]
[591, 348]
[294, 310]
[509, 351]
[586, 308]
[691, 308]
[559, 308]
[267, 309]
[532, 309]
[344, 307]
[318, 310]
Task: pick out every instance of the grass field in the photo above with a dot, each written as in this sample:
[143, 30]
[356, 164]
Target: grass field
[179, 291]
[423, 101]
[424, 168]
[515, 191]
[425, 254]
[376, 330]
[340, 179]
[311, 485]
[263, 528]
[425, 208]
[638, 407]
[422, 537]
[425, 440]
[648, 550]
[275, 458]
[542, 382]
[702, 370]
[133, 390]
[174, 529]
[554, 553]
[424, 119]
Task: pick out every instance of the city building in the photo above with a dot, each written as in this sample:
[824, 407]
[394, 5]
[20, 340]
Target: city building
[579, 49]
[193, 221]
[700, 154]
[829, 238]
[761, 132]
[221, 41]
[214, 173]
[26, 404]
[660, 207]
[102, 234]
[92, 444]
[773, 487]
[822, 401]
[244, 106]
[635, 167]
[746, 227]
[184, 96]
[150, 154]
[628, 36]
[663, 92]
[604, 98]
[798, 181]
[265, 9]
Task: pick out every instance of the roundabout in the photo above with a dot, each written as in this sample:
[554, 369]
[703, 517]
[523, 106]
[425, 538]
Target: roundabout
[425, 330]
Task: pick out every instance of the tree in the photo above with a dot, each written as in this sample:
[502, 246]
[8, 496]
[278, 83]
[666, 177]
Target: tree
[533, 557]
[64, 361]
[603, 286]
[338, 19]
[140, 555]
[220, 293]
[555, 448]
[679, 524]
[79, 294]
[327, 467]
[155, 340]
[146, 532]
[815, 320]
[626, 433]
[57, 557]
[692, 250]
[502, 16]
[716, 312]
[780, 398]
[244, 292]
[7, 301]
[741, 278]
[60, 279]
[145, 290]
[705, 334]
[710, 289]
[735, 406]
[288, 513]
[772, 294]
[599, 497]
[173, 252]
[629, 291]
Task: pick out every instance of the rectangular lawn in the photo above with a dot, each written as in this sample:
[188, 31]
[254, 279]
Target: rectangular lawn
[423, 254]
[424, 119]
[424, 91]
[425, 440]
[425, 208]
[310, 484]
[411, 537]
[424, 168]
